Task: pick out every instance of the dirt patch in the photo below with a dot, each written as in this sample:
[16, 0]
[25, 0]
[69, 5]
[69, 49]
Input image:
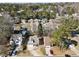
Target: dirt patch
[4, 50]
[24, 53]
[58, 52]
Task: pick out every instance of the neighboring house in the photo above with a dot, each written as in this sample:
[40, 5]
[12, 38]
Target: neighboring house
[60, 10]
[15, 42]
[50, 26]
[32, 42]
[33, 25]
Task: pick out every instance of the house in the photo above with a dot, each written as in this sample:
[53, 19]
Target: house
[50, 26]
[33, 24]
[34, 41]
[15, 42]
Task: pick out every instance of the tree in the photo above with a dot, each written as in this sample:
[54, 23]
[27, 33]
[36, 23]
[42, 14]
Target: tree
[64, 31]
[5, 30]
